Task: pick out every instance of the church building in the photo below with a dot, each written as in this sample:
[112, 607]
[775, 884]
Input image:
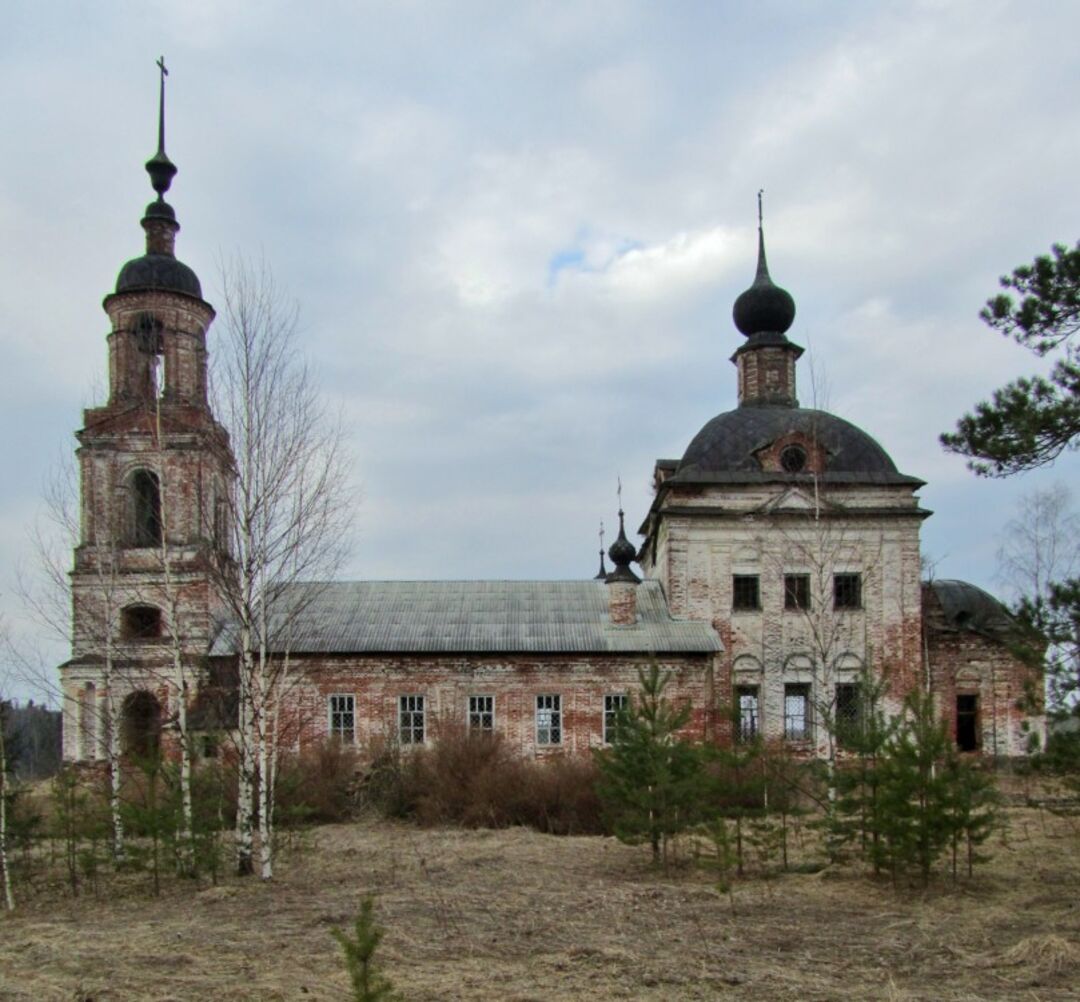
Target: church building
[779, 560]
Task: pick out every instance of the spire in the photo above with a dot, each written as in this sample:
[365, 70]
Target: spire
[602, 576]
[158, 268]
[160, 168]
[764, 308]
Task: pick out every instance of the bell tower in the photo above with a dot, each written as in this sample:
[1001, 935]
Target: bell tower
[154, 476]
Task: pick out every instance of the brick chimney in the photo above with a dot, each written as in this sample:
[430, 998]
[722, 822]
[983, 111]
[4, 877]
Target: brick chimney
[622, 583]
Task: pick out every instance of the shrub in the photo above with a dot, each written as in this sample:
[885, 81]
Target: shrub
[317, 785]
[476, 780]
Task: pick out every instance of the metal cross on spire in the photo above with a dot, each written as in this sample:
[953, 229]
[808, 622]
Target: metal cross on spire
[161, 106]
[601, 537]
[160, 168]
[760, 192]
[618, 480]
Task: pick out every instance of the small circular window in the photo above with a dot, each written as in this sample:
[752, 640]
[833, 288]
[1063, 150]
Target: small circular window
[793, 458]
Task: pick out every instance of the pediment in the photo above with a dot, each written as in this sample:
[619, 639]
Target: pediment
[796, 500]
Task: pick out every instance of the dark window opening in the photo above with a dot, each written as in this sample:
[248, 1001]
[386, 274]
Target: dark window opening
[796, 591]
[140, 731]
[967, 722]
[847, 591]
[746, 721]
[848, 713]
[797, 712]
[150, 341]
[746, 593]
[141, 622]
[793, 458]
[146, 497]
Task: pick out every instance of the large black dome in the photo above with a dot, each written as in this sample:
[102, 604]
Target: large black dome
[160, 272]
[730, 441]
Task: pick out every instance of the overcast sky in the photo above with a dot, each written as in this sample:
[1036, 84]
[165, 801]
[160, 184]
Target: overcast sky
[515, 232]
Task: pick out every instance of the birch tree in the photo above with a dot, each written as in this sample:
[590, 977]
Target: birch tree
[5, 871]
[47, 595]
[288, 516]
[179, 675]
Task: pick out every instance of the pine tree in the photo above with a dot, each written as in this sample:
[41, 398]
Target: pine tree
[913, 796]
[972, 808]
[652, 783]
[857, 819]
[1032, 420]
[368, 984]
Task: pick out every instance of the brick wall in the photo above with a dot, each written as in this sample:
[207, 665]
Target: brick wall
[446, 682]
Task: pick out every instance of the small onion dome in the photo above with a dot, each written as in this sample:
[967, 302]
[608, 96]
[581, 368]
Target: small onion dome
[602, 575]
[764, 307]
[622, 554]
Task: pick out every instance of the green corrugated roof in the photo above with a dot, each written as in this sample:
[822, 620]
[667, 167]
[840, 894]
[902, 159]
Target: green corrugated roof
[441, 617]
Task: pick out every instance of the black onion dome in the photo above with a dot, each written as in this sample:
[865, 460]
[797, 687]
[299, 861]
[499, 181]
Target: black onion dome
[159, 272]
[764, 307]
[622, 554]
[730, 441]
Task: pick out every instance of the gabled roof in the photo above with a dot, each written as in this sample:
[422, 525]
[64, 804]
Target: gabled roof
[473, 617]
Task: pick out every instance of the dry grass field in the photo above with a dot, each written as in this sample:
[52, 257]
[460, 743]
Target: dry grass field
[515, 915]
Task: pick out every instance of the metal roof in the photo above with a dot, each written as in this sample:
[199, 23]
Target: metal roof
[730, 441]
[489, 617]
[968, 607]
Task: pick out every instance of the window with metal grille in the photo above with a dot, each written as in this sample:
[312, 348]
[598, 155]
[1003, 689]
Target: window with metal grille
[746, 703]
[343, 717]
[549, 720]
[745, 592]
[481, 714]
[411, 720]
[797, 711]
[848, 713]
[796, 591]
[847, 591]
[615, 704]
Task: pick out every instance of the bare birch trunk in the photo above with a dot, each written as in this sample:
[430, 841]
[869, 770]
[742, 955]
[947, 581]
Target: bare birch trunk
[112, 732]
[9, 897]
[245, 785]
[179, 674]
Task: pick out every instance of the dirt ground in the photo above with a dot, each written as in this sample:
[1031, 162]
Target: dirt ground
[515, 915]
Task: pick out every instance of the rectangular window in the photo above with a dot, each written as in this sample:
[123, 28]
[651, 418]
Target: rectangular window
[481, 714]
[847, 591]
[411, 720]
[745, 593]
[746, 702]
[848, 713]
[797, 712]
[343, 718]
[549, 720]
[967, 722]
[614, 704]
[796, 591]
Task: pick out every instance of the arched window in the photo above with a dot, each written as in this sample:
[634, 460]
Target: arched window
[140, 731]
[146, 508]
[140, 622]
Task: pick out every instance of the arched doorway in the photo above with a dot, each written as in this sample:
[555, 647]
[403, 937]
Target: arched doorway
[140, 732]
